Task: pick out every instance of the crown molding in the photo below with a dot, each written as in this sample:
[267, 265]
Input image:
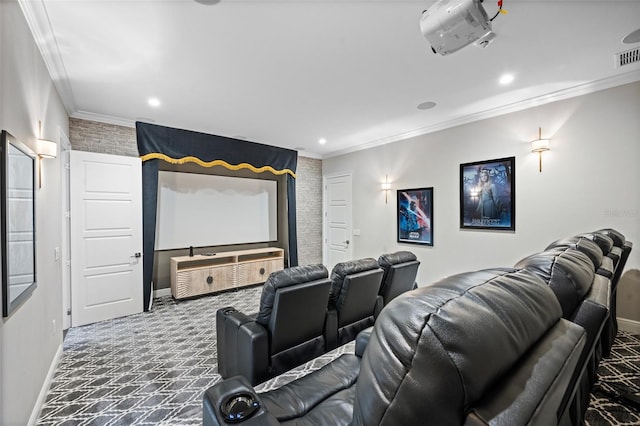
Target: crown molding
[37, 18]
[101, 118]
[572, 92]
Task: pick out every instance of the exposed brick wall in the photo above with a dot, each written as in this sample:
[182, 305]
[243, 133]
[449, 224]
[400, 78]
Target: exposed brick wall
[309, 210]
[104, 138]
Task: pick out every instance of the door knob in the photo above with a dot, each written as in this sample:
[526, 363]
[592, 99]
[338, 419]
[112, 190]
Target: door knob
[346, 242]
[137, 255]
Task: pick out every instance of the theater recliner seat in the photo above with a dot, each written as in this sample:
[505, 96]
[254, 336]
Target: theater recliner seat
[485, 347]
[584, 298]
[287, 331]
[620, 242]
[354, 292]
[400, 271]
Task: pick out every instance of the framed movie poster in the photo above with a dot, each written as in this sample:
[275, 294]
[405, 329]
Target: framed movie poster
[415, 216]
[488, 194]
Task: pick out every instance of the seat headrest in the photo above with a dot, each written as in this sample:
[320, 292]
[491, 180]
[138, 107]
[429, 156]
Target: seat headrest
[567, 271]
[442, 346]
[582, 244]
[386, 260]
[285, 278]
[341, 270]
[617, 237]
[603, 241]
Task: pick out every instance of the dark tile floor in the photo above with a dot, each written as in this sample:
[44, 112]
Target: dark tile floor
[152, 369]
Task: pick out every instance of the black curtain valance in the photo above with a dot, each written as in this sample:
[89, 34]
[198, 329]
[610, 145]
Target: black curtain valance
[180, 146]
[177, 146]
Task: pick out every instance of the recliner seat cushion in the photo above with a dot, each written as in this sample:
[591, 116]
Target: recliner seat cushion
[436, 340]
[284, 278]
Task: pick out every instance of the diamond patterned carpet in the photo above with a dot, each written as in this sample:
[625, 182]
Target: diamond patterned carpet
[152, 369]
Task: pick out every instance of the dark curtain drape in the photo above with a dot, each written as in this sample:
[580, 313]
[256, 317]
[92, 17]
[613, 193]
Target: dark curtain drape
[179, 146]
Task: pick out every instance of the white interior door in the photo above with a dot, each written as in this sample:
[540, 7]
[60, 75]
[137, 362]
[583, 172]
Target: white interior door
[106, 236]
[338, 244]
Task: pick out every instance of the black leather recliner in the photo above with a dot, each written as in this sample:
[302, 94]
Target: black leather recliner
[287, 331]
[625, 247]
[486, 347]
[400, 272]
[354, 291]
[584, 298]
[603, 265]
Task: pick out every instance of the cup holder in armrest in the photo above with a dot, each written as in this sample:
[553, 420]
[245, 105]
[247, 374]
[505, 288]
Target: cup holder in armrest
[239, 407]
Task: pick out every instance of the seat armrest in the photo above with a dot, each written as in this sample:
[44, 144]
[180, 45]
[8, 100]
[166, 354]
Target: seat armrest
[521, 400]
[243, 346]
[253, 352]
[218, 394]
[379, 306]
[331, 329]
[228, 321]
[362, 340]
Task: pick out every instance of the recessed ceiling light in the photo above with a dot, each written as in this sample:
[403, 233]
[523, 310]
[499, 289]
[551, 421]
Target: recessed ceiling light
[322, 141]
[426, 105]
[154, 102]
[506, 79]
[632, 37]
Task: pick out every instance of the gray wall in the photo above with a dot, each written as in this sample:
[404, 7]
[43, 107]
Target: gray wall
[31, 338]
[86, 135]
[589, 181]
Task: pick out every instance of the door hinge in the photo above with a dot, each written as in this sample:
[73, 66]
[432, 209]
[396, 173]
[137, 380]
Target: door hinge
[67, 215]
[67, 166]
[69, 311]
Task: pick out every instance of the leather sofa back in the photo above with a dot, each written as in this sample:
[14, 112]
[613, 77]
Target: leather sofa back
[617, 237]
[584, 245]
[286, 278]
[400, 271]
[340, 271]
[437, 350]
[567, 271]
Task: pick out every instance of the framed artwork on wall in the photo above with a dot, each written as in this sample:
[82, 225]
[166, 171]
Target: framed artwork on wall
[488, 194]
[415, 216]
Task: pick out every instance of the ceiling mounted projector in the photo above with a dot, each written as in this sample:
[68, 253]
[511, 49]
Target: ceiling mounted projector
[450, 25]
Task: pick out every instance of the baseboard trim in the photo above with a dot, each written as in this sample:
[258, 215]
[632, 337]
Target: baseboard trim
[162, 292]
[630, 326]
[45, 387]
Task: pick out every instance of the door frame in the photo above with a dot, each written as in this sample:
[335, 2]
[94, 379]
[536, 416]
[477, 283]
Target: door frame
[65, 243]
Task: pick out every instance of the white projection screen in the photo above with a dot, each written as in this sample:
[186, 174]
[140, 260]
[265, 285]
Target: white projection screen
[203, 210]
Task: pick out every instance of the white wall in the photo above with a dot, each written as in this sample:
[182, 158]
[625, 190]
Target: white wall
[31, 338]
[589, 181]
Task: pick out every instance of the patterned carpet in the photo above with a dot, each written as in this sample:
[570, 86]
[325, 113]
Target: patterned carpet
[152, 369]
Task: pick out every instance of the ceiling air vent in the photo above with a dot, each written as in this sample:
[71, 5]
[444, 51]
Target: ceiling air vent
[628, 57]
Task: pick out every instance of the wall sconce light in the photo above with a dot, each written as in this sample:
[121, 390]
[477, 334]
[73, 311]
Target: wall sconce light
[386, 187]
[44, 149]
[540, 145]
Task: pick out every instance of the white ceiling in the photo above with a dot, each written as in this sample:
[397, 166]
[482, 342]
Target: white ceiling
[290, 72]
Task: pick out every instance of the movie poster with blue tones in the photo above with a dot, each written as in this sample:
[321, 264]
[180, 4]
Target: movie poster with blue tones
[487, 194]
[415, 216]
